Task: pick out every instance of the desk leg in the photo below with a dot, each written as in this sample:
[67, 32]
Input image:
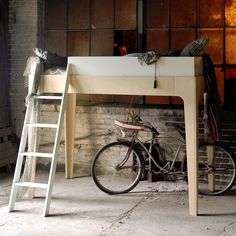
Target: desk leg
[69, 124]
[191, 125]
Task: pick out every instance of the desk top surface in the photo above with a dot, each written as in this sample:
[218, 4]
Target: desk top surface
[130, 66]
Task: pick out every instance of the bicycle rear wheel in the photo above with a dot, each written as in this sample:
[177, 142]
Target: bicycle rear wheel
[216, 168]
[117, 167]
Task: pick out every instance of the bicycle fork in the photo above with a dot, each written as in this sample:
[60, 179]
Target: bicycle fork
[121, 165]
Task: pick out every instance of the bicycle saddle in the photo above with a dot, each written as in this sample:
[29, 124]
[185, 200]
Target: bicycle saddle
[129, 126]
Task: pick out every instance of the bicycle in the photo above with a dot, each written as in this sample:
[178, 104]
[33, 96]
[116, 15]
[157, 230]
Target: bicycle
[119, 166]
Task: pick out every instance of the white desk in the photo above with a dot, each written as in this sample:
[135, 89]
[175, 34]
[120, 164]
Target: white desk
[176, 76]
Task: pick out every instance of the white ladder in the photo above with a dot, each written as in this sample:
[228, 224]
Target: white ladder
[23, 153]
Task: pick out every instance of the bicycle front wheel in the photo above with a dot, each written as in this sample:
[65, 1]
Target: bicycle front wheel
[216, 168]
[117, 167]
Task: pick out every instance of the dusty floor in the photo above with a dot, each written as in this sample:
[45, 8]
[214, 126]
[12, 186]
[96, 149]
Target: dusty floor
[79, 208]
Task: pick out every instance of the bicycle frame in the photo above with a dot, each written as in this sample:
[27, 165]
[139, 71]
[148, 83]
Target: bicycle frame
[167, 168]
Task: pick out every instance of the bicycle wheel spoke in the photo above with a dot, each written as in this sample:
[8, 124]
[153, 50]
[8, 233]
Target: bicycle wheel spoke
[117, 168]
[216, 169]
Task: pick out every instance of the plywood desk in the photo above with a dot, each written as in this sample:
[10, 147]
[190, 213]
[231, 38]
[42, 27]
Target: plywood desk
[176, 76]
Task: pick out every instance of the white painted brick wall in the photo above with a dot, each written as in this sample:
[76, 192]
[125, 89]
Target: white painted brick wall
[22, 38]
[98, 119]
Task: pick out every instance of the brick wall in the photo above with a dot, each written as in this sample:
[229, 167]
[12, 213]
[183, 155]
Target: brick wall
[23, 36]
[97, 120]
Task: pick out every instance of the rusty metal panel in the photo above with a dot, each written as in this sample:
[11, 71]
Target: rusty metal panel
[165, 100]
[102, 14]
[181, 37]
[216, 37]
[230, 12]
[183, 13]
[102, 43]
[79, 14]
[78, 43]
[56, 42]
[213, 15]
[230, 39]
[125, 14]
[158, 39]
[56, 14]
[158, 13]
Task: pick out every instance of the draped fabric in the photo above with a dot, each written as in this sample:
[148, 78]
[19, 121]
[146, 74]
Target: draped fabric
[211, 118]
[212, 121]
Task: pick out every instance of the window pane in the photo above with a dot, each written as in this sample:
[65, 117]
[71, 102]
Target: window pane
[78, 44]
[78, 17]
[181, 37]
[102, 43]
[157, 13]
[230, 46]
[125, 38]
[213, 15]
[230, 12]
[215, 41]
[157, 40]
[103, 17]
[183, 13]
[56, 14]
[56, 42]
[125, 14]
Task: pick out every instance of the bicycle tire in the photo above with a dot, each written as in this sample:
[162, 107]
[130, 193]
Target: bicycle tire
[218, 176]
[110, 175]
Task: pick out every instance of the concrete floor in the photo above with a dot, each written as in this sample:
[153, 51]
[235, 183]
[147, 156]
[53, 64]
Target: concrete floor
[78, 207]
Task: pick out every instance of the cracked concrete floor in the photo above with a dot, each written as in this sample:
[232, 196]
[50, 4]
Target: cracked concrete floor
[79, 208]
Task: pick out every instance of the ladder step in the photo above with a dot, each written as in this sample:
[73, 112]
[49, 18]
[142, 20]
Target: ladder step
[37, 154]
[47, 97]
[32, 185]
[41, 125]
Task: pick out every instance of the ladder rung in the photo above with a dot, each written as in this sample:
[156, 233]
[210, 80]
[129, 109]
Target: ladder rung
[37, 154]
[47, 97]
[41, 125]
[32, 185]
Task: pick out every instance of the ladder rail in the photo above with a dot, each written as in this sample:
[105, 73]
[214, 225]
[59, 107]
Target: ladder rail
[57, 141]
[35, 71]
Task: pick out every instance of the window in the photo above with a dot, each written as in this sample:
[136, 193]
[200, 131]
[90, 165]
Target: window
[116, 27]
[171, 24]
[92, 28]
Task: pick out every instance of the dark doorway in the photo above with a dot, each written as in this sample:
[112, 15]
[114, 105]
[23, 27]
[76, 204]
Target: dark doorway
[4, 85]
[7, 148]
[230, 88]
